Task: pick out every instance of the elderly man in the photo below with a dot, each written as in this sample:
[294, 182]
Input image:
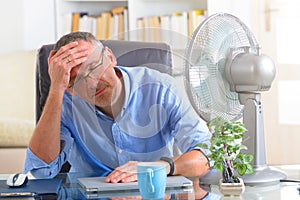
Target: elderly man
[106, 118]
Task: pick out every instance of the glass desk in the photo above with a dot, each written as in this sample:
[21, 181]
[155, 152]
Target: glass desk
[282, 191]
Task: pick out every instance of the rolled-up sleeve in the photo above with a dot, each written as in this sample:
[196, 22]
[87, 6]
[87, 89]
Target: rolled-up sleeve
[40, 169]
[189, 129]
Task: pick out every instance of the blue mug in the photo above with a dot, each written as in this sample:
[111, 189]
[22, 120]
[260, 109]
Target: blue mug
[152, 178]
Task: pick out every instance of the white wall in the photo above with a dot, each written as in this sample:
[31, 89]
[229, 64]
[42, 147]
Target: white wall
[17, 85]
[26, 24]
[39, 23]
[245, 10]
[11, 35]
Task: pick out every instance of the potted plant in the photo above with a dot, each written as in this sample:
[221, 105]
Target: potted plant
[226, 156]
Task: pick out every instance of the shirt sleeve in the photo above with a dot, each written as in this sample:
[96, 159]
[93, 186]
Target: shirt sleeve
[189, 129]
[40, 169]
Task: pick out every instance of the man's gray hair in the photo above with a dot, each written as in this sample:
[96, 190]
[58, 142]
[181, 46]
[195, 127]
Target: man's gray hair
[75, 36]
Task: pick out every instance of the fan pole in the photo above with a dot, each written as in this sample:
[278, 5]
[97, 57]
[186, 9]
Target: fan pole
[253, 120]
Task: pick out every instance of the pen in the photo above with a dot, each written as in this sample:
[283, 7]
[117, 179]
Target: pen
[16, 194]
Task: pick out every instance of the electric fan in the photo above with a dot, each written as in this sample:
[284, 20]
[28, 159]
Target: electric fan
[224, 75]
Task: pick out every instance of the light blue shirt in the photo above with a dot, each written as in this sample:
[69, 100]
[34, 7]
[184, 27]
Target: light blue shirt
[155, 117]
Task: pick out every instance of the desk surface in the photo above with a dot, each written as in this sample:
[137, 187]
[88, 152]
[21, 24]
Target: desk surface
[282, 191]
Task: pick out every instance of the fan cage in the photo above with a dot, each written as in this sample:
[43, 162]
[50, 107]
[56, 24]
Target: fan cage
[212, 43]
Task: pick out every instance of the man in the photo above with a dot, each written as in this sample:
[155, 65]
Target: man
[106, 118]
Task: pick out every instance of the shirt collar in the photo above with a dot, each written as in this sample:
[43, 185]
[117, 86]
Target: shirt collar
[126, 82]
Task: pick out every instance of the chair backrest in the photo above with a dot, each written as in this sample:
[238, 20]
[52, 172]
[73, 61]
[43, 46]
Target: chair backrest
[128, 53]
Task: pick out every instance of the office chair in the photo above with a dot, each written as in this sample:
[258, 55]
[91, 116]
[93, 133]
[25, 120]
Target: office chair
[128, 53]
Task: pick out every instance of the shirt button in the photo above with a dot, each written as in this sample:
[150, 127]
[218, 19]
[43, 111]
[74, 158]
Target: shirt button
[120, 151]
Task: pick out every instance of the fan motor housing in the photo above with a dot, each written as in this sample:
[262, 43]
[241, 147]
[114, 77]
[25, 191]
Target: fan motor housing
[250, 72]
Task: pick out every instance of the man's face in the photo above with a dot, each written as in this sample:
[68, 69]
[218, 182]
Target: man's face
[95, 80]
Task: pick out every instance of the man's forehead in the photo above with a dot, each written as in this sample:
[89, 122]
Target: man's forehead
[93, 56]
[87, 44]
[92, 59]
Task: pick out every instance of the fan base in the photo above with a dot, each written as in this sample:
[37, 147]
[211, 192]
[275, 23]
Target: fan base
[262, 176]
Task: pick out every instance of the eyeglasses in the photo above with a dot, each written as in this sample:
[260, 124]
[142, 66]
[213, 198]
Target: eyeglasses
[89, 74]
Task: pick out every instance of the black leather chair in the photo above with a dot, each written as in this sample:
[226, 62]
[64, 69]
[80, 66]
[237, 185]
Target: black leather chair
[128, 53]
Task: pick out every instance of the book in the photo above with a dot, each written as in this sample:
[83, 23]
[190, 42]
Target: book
[118, 10]
[112, 24]
[120, 22]
[34, 187]
[106, 20]
[75, 22]
[115, 27]
[154, 28]
[67, 23]
[121, 27]
[179, 25]
[195, 18]
[140, 32]
[93, 21]
[111, 28]
[126, 24]
[99, 29]
[165, 24]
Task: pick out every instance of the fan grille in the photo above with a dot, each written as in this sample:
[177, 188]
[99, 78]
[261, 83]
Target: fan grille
[211, 45]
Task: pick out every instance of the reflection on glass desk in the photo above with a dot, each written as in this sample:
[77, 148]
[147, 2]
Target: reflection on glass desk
[282, 191]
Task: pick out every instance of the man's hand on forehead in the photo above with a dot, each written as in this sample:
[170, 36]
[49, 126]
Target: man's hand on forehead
[90, 50]
[66, 58]
[93, 58]
[92, 61]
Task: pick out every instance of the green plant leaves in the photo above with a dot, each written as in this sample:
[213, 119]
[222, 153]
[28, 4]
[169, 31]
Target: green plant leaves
[241, 168]
[226, 144]
[218, 166]
[245, 158]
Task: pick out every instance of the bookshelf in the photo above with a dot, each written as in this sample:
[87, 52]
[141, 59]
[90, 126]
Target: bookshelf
[136, 9]
[145, 9]
[65, 8]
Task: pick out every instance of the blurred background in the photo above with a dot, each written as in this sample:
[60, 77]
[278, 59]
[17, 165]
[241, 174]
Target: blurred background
[28, 24]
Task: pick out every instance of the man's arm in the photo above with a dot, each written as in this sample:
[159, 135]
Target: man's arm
[45, 141]
[190, 164]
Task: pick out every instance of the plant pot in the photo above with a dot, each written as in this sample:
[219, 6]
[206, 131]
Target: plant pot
[232, 189]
